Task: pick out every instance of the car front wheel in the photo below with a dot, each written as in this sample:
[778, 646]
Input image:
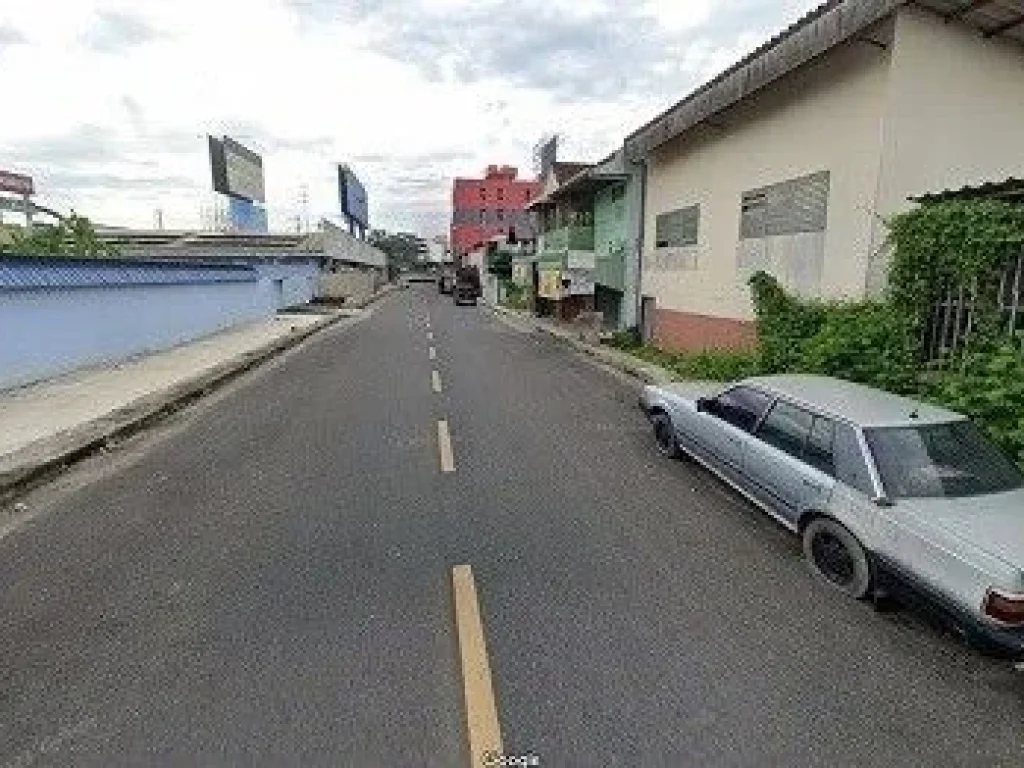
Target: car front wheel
[665, 436]
[836, 557]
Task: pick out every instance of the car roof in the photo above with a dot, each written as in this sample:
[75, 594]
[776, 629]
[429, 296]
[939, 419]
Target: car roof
[862, 405]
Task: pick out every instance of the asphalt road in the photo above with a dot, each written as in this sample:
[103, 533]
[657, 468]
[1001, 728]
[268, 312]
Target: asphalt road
[266, 580]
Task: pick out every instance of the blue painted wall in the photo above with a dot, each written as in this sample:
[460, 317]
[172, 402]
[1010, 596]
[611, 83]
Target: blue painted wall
[57, 315]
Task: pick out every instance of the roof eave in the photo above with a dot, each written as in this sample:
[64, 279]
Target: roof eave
[818, 32]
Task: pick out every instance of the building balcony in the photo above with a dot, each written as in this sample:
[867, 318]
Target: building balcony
[571, 246]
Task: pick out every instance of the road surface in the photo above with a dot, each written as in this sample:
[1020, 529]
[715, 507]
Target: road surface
[267, 579]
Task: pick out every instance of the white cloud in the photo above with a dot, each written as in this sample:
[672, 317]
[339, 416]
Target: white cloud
[115, 98]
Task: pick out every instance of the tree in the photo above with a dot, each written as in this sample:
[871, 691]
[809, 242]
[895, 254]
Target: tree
[73, 237]
[403, 249]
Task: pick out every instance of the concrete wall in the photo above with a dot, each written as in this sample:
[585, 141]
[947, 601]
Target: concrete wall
[954, 115]
[55, 326]
[338, 245]
[298, 282]
[349, 285]
[824, 117]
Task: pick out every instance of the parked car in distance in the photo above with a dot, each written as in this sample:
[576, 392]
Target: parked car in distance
[890, 496]
[446, 282]
[467, 286]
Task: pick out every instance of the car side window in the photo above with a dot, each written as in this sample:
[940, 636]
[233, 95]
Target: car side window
[786, 427]
[741, 406]
[851, 466]
[819, 450]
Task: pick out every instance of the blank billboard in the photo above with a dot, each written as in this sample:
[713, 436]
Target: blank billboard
[16, 182]
[237, 171]
[352, 195]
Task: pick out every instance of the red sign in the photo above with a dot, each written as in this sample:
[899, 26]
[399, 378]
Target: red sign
[17, 183]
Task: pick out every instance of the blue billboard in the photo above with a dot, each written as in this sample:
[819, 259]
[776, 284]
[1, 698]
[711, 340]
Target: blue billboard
[246, 216]
[352, 195]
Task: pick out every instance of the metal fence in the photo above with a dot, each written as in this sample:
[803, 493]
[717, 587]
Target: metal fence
[953, 318]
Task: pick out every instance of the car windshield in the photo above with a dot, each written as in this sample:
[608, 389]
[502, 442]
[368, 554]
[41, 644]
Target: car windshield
[940, 461]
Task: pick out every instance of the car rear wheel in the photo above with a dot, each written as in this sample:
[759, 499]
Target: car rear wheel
[665, 436]
[836, 557]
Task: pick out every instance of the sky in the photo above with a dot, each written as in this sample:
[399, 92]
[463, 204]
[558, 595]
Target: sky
[111, 101]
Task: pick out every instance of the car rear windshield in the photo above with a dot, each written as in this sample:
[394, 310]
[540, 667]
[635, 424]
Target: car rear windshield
[940, 461]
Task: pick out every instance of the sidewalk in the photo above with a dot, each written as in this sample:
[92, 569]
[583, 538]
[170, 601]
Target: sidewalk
[646, 373]
[53, 422]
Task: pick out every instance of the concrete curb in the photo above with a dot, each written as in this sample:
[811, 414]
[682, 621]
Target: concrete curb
[29, 466]
[385, 291]
[644, 373]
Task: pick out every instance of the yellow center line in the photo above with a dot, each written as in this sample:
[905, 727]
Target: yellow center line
[444, 446]
[478, 689]
[433, 353]
[435, 381]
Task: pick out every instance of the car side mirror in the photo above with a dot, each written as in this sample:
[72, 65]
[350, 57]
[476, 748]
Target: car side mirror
[703, 405]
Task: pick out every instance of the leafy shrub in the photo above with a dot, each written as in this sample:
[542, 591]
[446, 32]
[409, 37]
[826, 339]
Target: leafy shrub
[717, 364]
[988, 386]
[628, 339]
[516, 297]
[784, 323]
[714, 364]
[866, 342]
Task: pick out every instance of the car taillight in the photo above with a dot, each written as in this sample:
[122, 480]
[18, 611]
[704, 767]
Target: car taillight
[1004, 607]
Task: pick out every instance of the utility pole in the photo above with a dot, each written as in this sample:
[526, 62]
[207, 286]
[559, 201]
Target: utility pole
[158, 217]
[304, 207]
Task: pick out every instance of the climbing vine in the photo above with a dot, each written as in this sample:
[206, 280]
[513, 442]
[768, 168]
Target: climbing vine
[952, 243]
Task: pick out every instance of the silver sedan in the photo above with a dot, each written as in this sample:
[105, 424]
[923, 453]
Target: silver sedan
[889, 495]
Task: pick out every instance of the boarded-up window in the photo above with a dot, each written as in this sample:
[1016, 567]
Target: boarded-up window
[676, 229]
[788, 208]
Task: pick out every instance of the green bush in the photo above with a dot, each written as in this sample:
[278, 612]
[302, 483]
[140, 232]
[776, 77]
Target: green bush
[73, 237]
[714, 364]
[866, 342]
[988, 386]
[516, 296]
[628, 339]
[717, 364]
[784, 323]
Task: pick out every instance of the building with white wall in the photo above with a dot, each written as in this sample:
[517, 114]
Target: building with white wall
[438, 251]
[791, 160]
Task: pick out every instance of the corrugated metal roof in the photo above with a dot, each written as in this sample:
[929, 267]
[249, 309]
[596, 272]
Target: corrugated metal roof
[1010, 189]
[990, 17]
[817, 32]
[177, 238]
[18, 273]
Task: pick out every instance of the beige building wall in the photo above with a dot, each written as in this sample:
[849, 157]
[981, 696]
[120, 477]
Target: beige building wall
[826, 116]
[954, 114]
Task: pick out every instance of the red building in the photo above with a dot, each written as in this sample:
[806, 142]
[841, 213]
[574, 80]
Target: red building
[493, 205]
